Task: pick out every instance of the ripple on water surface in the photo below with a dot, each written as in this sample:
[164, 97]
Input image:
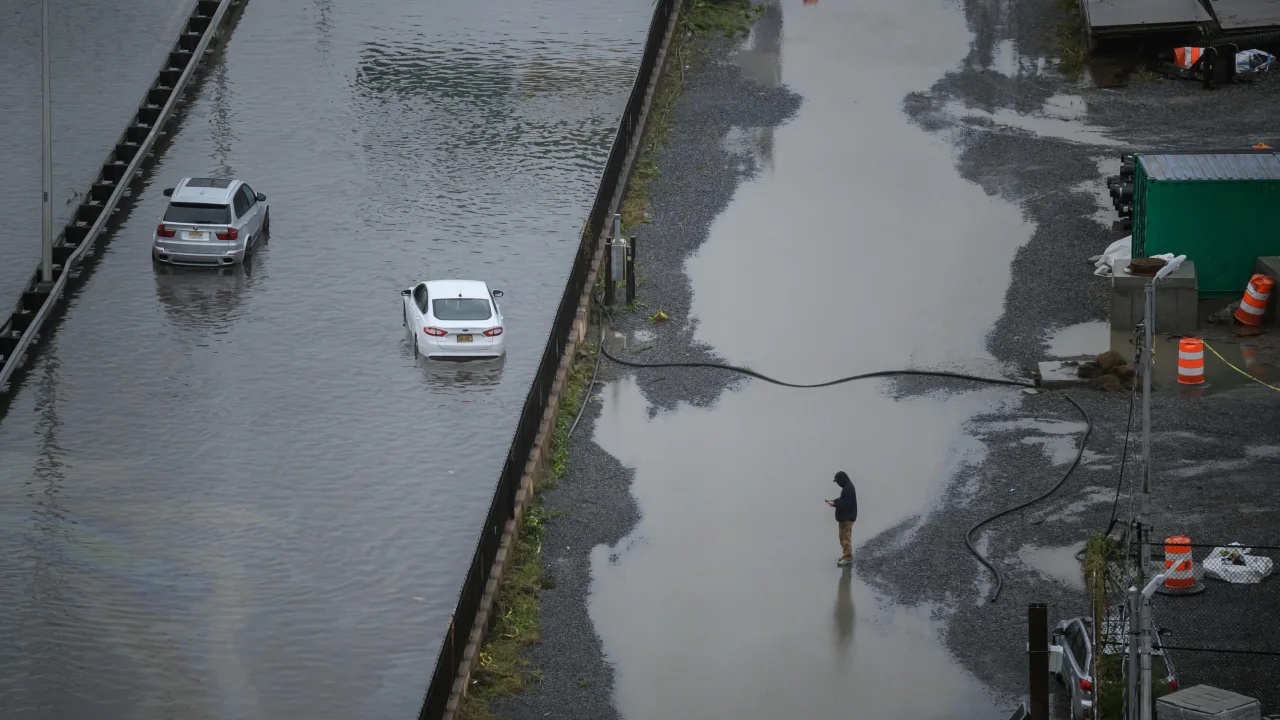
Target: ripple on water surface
[237, 494]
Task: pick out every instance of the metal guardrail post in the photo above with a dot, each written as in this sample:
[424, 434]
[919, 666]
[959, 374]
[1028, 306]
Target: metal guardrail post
[631, 269]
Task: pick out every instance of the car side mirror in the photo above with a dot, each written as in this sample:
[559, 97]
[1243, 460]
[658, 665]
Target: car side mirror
[406, 293]
[497, 293]
[262, 198]
[168, 192]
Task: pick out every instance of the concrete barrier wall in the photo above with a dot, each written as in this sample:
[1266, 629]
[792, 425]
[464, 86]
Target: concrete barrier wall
[530, 448]
[133, 148]
[102, 55]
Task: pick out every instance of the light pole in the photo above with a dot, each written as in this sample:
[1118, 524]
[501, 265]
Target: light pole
[1139, 672]
[46, 156]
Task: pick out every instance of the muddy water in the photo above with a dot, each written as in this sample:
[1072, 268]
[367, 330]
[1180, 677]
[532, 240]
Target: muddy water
[238, 495]
[857, 248]
[102, 56]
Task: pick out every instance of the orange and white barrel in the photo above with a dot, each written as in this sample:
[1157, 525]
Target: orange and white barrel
[1190, 361]
[1185, 57]
[1178, 564]
[1254, 302]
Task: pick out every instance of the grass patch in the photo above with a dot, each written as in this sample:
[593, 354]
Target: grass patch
[698, 18]
[1070, 34]
[501, 669]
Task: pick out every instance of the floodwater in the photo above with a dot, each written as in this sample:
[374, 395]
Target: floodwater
[237, 494]
[102, 57]
[876, 255]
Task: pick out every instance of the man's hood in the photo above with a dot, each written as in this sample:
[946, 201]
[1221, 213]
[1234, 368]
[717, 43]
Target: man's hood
[843, 480]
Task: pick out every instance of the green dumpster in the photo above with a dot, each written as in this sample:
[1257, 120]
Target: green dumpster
[1220, 210]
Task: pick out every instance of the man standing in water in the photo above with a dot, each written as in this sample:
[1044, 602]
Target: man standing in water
[846, 513]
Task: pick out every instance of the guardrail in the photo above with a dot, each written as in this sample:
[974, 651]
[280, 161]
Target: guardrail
[502, 508]
[111, 185]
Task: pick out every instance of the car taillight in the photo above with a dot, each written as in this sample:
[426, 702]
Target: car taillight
[1086, 685]
[434, 332]
[228, 234]
[165, 231]
[1173, 684]
[493, 332]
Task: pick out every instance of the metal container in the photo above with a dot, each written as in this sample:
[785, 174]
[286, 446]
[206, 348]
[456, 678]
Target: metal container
[1221, 210]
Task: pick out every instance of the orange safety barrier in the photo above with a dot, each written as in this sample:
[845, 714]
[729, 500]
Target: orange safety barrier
[1254, 302]
[1178, 563]
[1185, 57]
[1190, 361]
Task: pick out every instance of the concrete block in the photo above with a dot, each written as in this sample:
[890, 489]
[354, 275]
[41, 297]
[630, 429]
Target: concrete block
[1058, 374]
[1177, 300]
[1269, 266]
[1203, 702]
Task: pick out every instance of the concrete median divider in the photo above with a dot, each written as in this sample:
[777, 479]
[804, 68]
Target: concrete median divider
[531, 445]
[35, 309]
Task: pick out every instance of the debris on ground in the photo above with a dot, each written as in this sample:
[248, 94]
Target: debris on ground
[1108, 372]
[1226, 315]
[1251, 63]
[1234, 564]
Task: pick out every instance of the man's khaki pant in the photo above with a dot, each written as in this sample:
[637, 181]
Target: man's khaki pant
[846, 539]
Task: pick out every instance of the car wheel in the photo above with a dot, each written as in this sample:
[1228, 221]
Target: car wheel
[266, 227]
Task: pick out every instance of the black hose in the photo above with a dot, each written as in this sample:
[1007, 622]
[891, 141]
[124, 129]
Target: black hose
[586, 394]
[829, 383]
[968, 541]
[968, 537]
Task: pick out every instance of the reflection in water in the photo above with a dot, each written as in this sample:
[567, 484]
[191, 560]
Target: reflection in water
[846, 613]
[445, 377]
[761, 60]
[203, 298]
[221, 130]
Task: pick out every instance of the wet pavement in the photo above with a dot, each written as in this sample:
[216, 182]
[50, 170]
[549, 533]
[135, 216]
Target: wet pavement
[902, 186]
[237, 494]
[102, 57]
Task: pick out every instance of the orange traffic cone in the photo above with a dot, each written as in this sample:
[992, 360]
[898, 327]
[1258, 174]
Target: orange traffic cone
[1190, 361]
[1254, 302]
[1180, 575]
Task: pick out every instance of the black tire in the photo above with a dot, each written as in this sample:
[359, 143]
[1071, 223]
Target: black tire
[266, 228]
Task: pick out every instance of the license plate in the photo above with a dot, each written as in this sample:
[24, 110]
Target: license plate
[464, 338]
[195, 235]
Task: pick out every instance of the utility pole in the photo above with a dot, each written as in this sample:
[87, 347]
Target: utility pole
[1140, 672]
[46, 156]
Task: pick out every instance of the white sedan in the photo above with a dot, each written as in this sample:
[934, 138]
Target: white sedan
[454, 319]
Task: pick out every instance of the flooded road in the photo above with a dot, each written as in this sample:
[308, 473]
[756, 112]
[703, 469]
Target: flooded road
[238, 495]
[856, 247]
[102, 57]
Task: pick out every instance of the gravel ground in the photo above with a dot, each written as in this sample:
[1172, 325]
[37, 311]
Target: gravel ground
[697, 181]
[1217, 452]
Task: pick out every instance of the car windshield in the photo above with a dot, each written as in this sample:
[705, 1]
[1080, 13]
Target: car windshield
[198, 214]
[461, 309]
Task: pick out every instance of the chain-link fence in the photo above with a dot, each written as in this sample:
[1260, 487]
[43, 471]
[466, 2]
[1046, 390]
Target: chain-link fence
[1215, 619]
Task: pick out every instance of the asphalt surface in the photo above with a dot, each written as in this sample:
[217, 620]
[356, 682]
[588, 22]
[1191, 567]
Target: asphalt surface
[1030, 140]
[239, 494]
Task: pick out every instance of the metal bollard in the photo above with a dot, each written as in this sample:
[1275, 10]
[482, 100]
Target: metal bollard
[631, 270]
[609, 285]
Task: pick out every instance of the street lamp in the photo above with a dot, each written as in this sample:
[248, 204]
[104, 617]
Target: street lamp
[46, 158]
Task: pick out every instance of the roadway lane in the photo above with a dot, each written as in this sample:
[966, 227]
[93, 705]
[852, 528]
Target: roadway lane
[102, 58]
[238, 495]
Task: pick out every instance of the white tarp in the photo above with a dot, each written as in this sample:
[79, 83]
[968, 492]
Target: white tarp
[1118, 250]
[1234, 564]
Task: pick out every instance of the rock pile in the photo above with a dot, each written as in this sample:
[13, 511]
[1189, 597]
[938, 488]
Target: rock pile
[1108, 372]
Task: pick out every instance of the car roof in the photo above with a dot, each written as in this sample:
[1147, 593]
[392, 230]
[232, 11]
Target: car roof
[205, 190]
[457, 288]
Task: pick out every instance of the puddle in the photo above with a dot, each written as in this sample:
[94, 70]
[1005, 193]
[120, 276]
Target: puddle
[1059, 563]
[1089, 338]
[733, 560]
